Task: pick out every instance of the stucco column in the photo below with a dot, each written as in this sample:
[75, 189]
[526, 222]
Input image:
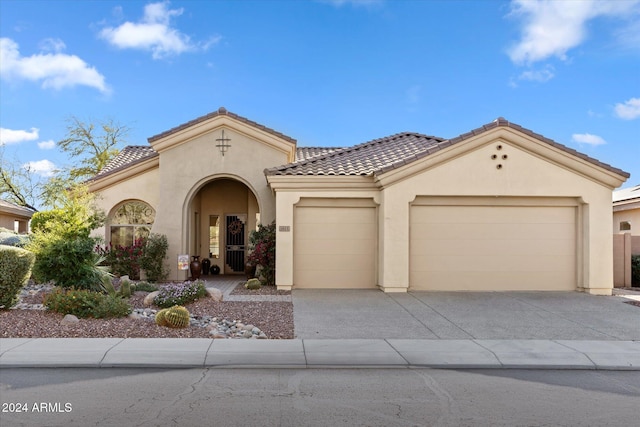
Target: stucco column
[394, 243]
[284, 239]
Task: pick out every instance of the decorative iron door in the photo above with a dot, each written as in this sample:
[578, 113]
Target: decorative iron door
[235, 242]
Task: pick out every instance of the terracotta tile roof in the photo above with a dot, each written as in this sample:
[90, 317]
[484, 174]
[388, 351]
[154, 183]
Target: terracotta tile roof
[384, 154]
[220, 112]
[363, 159]
[304, 153]
[129, 156]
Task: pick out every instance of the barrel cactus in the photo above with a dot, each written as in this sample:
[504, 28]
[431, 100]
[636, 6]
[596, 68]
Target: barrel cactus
[253, 284]
[177, 317]
[160, 317]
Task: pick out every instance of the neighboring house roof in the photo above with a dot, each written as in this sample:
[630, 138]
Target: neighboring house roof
[627, 194]
[221, 112]
[384, 154]
[12, 208]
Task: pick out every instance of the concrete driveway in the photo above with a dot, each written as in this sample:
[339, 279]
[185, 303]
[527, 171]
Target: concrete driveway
[469, 315]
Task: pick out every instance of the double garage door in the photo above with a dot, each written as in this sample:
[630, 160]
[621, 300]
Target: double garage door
[335, 244]
[455, 244]
[486, 244]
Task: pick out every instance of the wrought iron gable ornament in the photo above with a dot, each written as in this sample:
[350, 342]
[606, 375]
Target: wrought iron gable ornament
[223, 143]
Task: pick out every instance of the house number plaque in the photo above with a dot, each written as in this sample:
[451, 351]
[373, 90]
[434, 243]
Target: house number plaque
[284, 228]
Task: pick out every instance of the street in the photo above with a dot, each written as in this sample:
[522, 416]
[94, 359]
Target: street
[317, 397]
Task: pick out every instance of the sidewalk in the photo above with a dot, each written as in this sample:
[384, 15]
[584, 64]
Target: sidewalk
[318, 353]
[368, 329]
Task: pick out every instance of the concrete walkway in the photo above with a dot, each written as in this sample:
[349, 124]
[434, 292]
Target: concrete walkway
[368, 328]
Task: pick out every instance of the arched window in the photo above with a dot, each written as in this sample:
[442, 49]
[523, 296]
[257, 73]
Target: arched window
[132, 220]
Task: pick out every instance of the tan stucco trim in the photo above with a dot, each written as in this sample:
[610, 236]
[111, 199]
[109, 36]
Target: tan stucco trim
[183, 136]
[305, 183]
[124, 175]
[527, 143]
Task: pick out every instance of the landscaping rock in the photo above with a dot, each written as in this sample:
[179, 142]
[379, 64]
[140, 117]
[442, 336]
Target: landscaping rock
[148, 300]
[69, 319]
[215, 294]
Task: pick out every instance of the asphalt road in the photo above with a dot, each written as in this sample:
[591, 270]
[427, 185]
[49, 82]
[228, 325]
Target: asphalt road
[317, 397]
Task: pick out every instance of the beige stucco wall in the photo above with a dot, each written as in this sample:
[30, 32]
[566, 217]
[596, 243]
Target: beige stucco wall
[188, 166]
[631, 214]
[142, 186]
[532, 169]
[177, 182]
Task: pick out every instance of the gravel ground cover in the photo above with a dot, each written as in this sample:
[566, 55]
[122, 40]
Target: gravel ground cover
[264, 290]
[275, 319]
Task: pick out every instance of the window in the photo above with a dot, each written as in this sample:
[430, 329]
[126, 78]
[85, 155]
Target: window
[132, 220]
[625, 226]
[214, 236]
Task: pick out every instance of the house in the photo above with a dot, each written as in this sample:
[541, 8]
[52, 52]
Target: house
[626, 233]
[626, 211]
[497, 208]
[14, 217]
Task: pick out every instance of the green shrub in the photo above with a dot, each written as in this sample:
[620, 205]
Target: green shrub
[144, 287]
[84, 303]
[180, 293]
[15, 270]
[154, 253]
[635, 270]
[68, 262]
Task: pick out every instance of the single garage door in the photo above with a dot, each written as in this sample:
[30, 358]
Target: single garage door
[484, 247]
[334, 246]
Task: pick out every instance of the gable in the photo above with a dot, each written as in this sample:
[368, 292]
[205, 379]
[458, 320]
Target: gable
[222, 119]
[505, 153]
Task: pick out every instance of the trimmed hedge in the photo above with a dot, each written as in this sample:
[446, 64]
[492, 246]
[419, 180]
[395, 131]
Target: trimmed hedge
[15, 270]
[635, 270]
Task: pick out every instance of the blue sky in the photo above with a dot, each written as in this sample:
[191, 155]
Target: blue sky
[326, 72]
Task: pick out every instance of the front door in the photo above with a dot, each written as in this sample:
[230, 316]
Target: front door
[235, 243]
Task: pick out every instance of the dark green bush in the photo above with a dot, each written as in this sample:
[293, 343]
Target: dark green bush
[15, 270]
[154, 253]
[69, 262]
[180, 293]
[635, 270]
[84, 303]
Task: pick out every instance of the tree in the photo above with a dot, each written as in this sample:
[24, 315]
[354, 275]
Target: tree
[93, 149]
[18, 184]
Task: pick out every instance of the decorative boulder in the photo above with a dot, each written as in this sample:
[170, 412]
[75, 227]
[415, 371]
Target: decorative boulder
[148, 300]
[215, 294]
[69, 319]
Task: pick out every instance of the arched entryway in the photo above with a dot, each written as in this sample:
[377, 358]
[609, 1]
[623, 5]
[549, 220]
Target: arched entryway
[222, 214]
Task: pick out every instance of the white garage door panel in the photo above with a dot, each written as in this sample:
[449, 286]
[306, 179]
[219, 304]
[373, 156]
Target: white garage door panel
[335, 247]
[493, 247]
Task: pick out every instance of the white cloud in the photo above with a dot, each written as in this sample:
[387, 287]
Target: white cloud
[44, 167]
[587, 138]
[628, 110]
[52, 45]
[542, 76]
[552, 28]
[154, 33]
[10, 136]
[47, 145]
[54, 70]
